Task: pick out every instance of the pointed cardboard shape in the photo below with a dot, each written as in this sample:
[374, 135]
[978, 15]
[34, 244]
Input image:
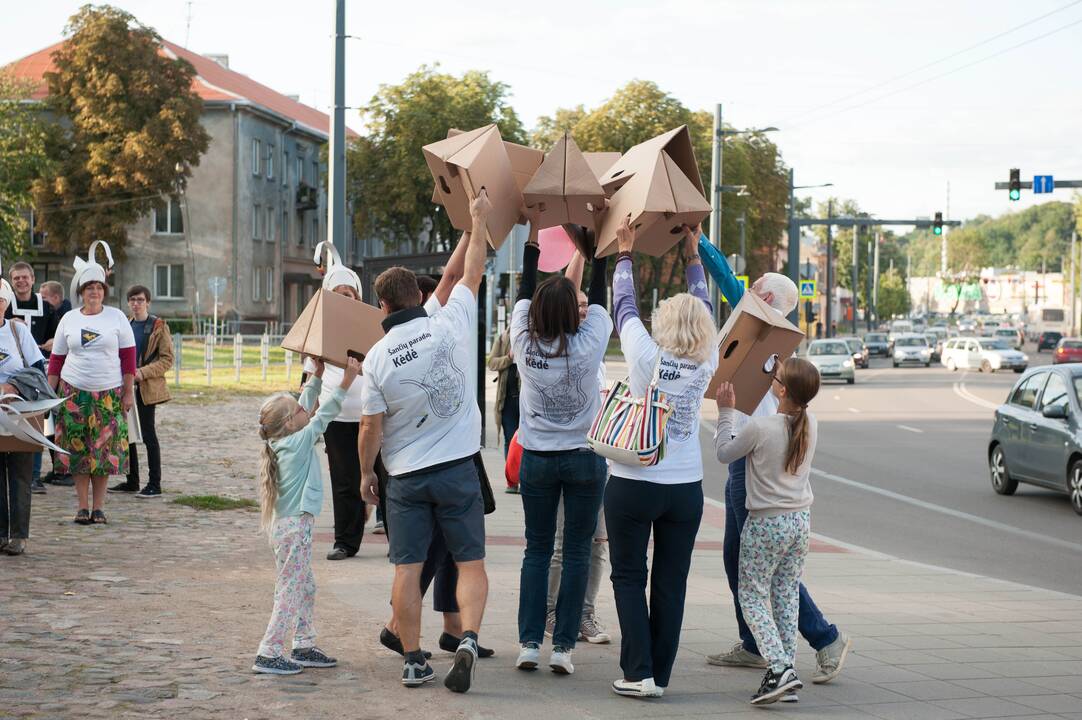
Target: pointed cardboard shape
[565, 186]
[24, 434]
[462, 165]
[524, 163]
[333, 327]
[675, 143]
[753, 334]
[600, 162]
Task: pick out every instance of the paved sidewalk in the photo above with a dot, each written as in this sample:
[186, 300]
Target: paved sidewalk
[159, 613]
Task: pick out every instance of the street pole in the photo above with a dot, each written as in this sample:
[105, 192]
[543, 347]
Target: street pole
[743, 245]
[794, 244]
[908, 267]
[1071, 314]
[715, 213]
[875, 275]
[856, 274]
[830, 271]
[336, 221]
[869, 308]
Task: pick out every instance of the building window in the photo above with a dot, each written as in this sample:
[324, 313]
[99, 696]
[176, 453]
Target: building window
[285, 168]
[257, 277]
[300, 231]
[315, 173]
[257, 220]
[300, 167]
[257, 156]
[315, 232]
[270, 162]
[283, 229]
[168, 282]
[270, 284]
[168, 219]
[268, 228]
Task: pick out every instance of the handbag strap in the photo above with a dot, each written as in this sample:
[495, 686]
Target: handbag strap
[18, 343]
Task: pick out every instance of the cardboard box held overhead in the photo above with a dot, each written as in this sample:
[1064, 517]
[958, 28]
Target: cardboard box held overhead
[334, 327]
[658, 200]
[463, 164]
[565, 187]
[640, 158]
[755, 340]
[600, 162]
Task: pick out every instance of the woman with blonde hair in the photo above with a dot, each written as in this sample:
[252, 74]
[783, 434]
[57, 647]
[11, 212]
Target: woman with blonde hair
[664, 499]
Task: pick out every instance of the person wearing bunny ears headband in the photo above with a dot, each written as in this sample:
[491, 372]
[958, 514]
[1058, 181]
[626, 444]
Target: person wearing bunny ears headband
[93, 363]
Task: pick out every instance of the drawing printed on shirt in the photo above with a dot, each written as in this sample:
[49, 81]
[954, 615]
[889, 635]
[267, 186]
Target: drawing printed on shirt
[444, 382]
[88, 336]
[685, 408]
[3, 357]
[564, 400]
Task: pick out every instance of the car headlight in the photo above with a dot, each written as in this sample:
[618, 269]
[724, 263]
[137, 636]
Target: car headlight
[1025, 358]
[847, 364]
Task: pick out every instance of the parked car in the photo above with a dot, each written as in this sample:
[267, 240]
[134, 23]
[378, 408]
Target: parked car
[911, 347]
[876, 344]
[860, 353]
[1011, 335]
[935, 342]
[1048, 340]
[984, 354]
[1068, 350]
[1037, 434]
[833, 359]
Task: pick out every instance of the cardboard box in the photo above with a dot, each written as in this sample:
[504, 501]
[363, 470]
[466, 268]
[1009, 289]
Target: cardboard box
[565, 187]
[640, 158]
[12, 443]
[463, 164]
[659, 201]
[754, 334]
[333, 327]
[600, 162]
[524, 160]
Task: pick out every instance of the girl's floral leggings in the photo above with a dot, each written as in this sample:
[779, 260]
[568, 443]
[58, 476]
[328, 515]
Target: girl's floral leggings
[295, 588]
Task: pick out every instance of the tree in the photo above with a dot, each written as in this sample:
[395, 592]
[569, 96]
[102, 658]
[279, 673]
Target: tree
[893, 296]
[127, 129]
[22, 158]
[388, 177]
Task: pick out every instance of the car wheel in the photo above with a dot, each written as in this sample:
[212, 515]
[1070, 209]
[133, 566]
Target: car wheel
[1074, 486]
[1002, 482]
[851, 380]
[1019, 371]
[951, 365]
[927, 364]
[986, 366]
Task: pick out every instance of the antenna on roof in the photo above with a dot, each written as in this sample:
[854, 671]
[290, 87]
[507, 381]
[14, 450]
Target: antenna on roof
[188, 25]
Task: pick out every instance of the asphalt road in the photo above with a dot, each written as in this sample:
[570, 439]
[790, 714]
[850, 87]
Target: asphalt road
[901, 468]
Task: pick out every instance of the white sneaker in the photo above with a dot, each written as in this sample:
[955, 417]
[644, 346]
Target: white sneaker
[644, 688]
[529, 656]
[560, 661]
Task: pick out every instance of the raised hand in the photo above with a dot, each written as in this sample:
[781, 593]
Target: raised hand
[625, 237]
[353, 369]
[726, 396]
[481, 206]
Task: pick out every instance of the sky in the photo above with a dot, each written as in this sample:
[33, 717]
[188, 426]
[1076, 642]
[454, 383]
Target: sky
[907, 106]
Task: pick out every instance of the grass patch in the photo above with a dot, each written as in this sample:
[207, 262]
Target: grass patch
[215, 502]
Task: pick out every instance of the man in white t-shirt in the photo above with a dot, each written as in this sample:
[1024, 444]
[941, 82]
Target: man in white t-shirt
[418, 402]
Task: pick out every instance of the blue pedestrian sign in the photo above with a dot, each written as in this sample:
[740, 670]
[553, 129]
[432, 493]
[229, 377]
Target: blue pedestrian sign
[807, 289]
[1043, 184]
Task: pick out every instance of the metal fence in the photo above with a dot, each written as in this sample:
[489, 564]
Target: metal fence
[232, 359]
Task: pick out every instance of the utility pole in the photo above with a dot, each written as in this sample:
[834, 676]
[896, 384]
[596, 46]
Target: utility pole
[943, 238]
[794, 245]
[336, 220]
[743, 245]
[715, 213]
[875, 274]
[830, 271]
[1074, 287]
[869, 309]
[856, 275]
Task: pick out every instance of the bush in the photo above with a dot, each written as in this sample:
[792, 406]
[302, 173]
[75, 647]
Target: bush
[215, 502]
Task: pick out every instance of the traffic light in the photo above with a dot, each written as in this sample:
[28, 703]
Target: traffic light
[809, 311]
[937, 224]
[1015, 189]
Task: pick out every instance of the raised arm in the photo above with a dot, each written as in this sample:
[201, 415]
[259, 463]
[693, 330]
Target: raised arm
[453, 271]
[694, 266]
[575, 268]
[624, 304]
[718, 267]
[474, 268]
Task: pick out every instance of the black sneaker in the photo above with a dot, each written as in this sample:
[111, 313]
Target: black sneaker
[149, 492]
[776, 685]
[83, 517]
[36, 487]
[313, 657]
[460, 676]
[276, 666]
[98, 518]
[449, 643]
[337, 554]
[124, 487]
[416, 675]
[64, 481]
[392, 642]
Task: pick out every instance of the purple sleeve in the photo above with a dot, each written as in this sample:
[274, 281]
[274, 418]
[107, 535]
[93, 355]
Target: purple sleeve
[697, 284]
[624, 306]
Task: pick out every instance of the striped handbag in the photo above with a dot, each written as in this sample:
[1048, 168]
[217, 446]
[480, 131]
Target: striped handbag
[631, 430]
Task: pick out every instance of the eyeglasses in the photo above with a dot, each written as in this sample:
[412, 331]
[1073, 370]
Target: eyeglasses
[137, 300]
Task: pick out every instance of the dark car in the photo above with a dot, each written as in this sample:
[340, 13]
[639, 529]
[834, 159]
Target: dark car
[1068, 350]
[1037, 434]
[877, 344]
[1048, 340]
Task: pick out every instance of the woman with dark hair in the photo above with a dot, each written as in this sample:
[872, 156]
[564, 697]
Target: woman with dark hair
[93, 365]
[558, 356]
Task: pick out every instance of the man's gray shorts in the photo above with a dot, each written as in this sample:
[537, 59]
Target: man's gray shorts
[449, 494]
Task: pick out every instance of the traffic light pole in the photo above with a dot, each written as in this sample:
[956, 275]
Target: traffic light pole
[856, 275]
[830, 272]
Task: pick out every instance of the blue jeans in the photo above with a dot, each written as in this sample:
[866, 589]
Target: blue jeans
[36, 472]
[579, 477]
[811, 623]
[509, 422]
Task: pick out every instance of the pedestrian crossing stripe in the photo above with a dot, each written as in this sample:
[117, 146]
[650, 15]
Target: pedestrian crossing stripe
[743, 281]
[807, 289]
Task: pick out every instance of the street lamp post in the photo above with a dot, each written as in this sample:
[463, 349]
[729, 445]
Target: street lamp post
[794, 238]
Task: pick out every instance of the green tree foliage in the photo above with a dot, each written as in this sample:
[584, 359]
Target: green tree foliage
[893, 297]
[22, 158]
[127, 130]
[388, 177]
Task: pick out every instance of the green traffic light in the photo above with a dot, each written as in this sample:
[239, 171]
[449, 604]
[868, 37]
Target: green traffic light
[1016, 194]
[937, 230]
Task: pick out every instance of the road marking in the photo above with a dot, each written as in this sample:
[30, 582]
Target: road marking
[911, 429]
[1076, 547]
[960, 391]
[854, 410]
[837, 397]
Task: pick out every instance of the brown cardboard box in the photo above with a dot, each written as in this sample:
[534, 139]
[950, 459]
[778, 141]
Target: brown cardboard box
[9, 443]
[659, 201]
[600, 162]
[640, 158]
[565, 187]
[463, 164]
[524, 160]
[333, 326]
[754, 333]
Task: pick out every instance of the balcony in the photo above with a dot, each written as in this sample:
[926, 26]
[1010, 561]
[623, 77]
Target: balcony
[307, 197]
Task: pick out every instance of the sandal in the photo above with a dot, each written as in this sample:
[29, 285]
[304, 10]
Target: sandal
[98, 518]
[83, 517]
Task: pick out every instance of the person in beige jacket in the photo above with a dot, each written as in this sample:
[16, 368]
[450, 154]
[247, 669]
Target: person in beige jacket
[154, 358]
[507, 386]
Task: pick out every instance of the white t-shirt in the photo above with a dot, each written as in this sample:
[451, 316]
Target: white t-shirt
[92, 344]
[423, 376]
[332, 379]
[558, 396]
[683, 381]
[10, 360]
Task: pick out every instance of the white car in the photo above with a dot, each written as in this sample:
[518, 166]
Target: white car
[911, 347]
[986, 354]
[833, 359]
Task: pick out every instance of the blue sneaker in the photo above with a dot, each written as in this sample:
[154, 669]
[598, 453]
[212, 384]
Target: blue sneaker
[313, 657]
[460, 677]
[276, 666]
[416, 674]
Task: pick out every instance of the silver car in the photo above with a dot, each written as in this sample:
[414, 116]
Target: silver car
[913, 348]
[833, 359]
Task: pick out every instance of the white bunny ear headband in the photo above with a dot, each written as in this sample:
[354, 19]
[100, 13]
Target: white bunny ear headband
[335, 272]
[89, 270]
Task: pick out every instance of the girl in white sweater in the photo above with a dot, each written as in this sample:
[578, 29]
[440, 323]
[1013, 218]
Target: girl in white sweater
[774, 544]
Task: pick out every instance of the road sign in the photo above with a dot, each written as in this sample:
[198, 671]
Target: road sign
[743, 281]
[217, 285]
[1043, 184]
[807, 289]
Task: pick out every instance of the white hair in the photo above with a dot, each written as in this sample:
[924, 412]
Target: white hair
[783, 289]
